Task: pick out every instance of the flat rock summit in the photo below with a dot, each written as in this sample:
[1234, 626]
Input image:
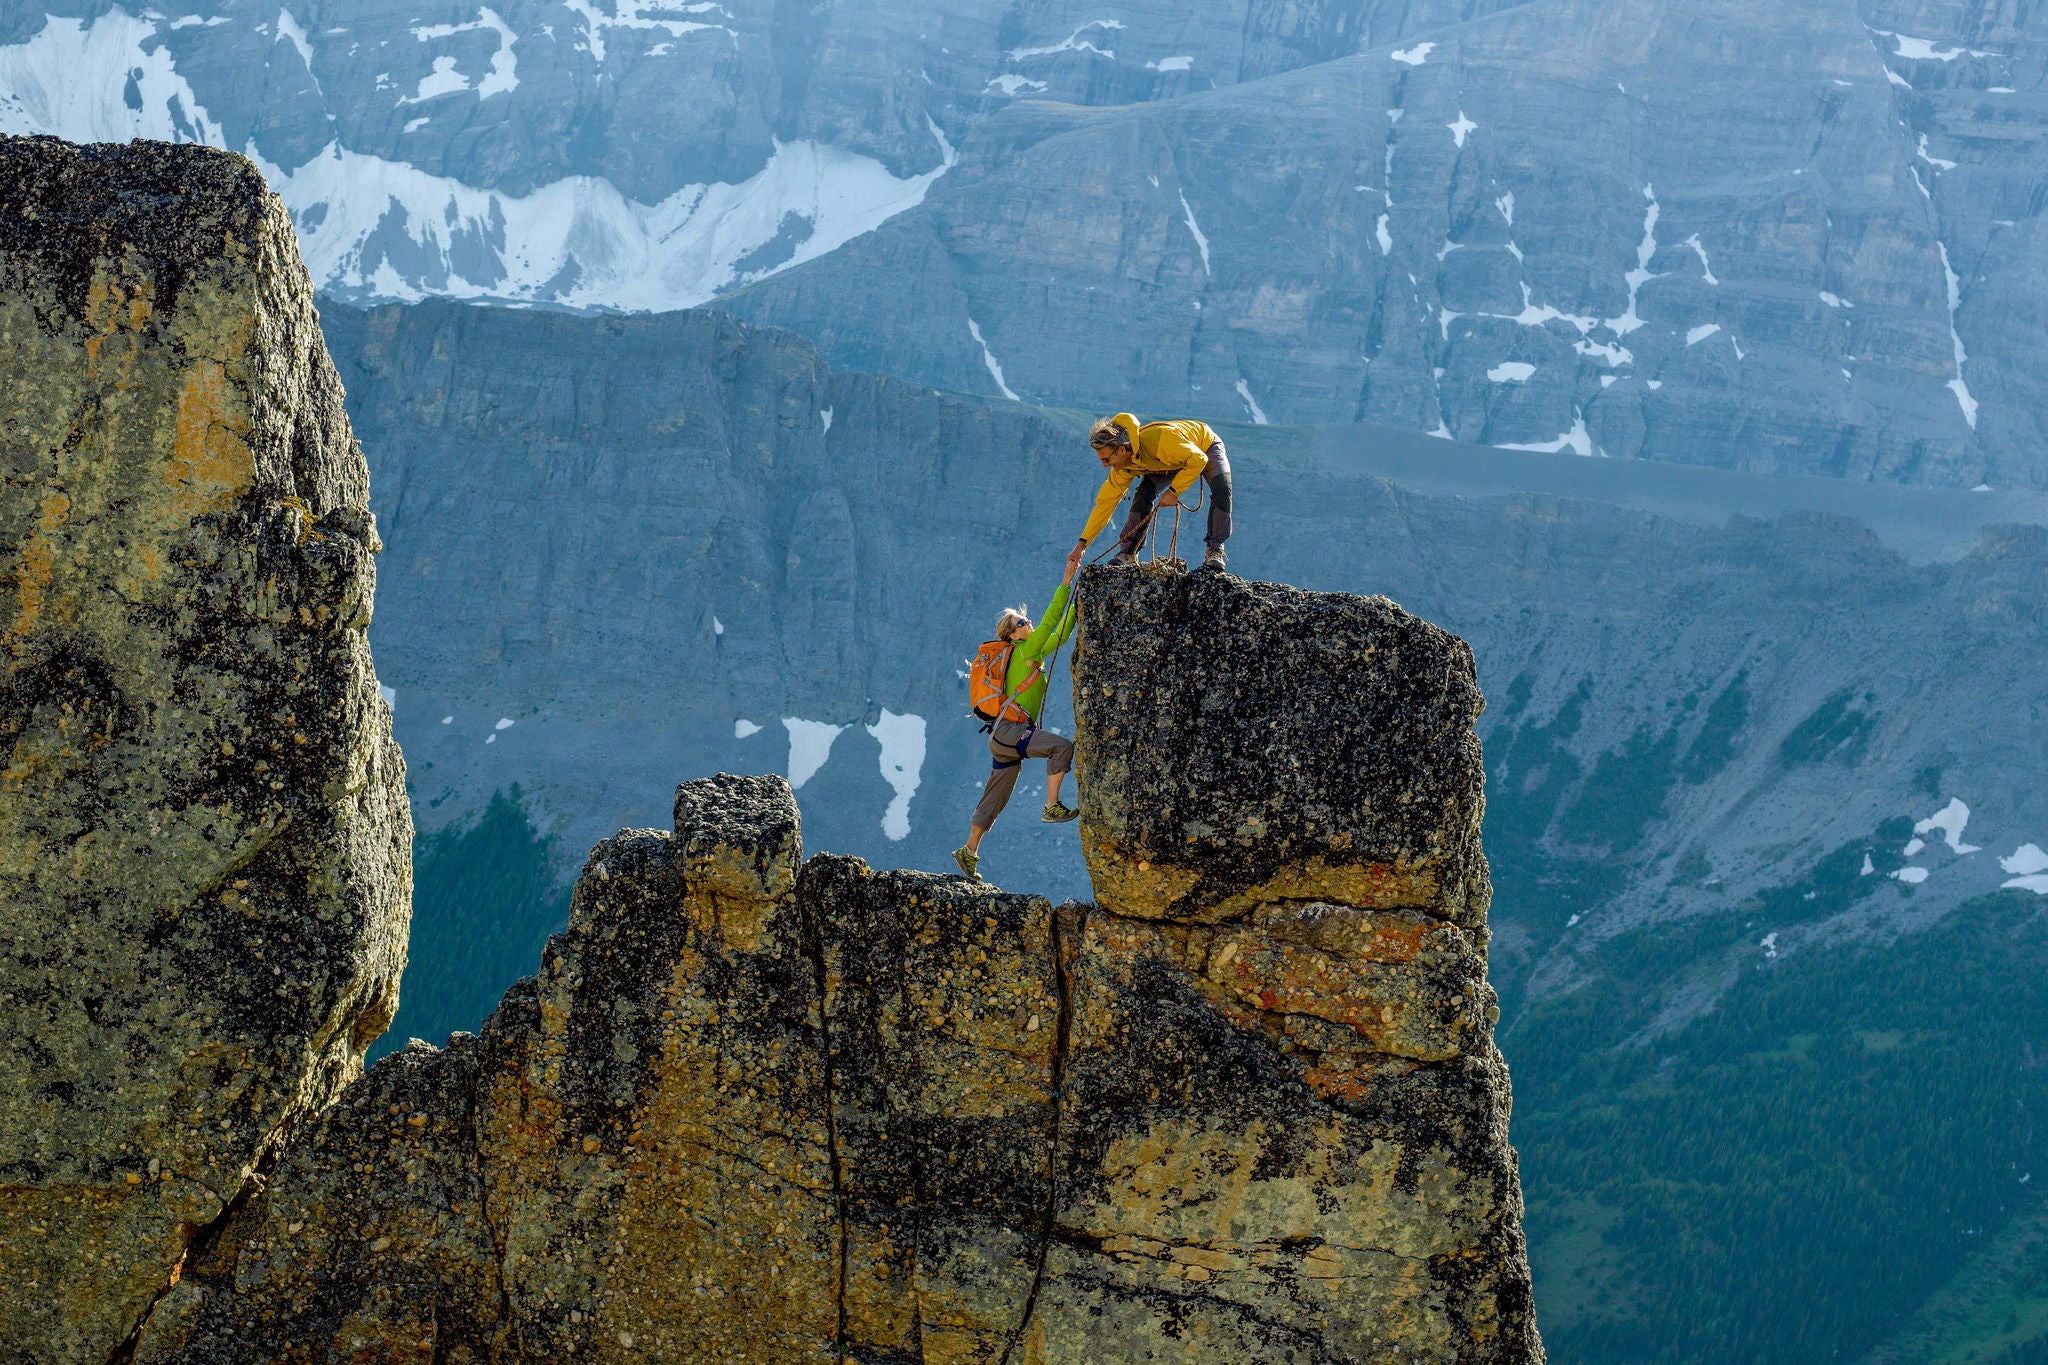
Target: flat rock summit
[1243, 1107]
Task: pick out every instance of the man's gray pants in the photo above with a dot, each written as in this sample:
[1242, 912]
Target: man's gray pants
[1003, 742]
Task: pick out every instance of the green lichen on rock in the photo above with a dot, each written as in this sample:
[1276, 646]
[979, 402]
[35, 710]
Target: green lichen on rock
[204, 836]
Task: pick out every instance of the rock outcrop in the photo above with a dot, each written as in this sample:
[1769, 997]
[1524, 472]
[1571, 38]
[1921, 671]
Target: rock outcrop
[757, 1109]
[204, 838]
[1281, 800]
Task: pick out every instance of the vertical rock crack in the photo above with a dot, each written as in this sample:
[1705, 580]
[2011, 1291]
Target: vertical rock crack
[814, 945]
[1061, 1037]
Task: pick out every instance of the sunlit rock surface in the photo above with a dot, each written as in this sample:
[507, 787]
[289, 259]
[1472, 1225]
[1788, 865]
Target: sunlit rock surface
[765, 1110]
[205, 847]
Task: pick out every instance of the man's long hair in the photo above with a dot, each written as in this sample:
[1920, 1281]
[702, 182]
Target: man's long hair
[1107, 435]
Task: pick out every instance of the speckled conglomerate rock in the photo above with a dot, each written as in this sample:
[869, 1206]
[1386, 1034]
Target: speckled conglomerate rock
[1284, 1083]
[1244, 744]
[759, 1110]
[204, 836]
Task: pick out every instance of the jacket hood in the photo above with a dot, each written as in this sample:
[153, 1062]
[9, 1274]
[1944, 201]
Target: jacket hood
[1130, 426]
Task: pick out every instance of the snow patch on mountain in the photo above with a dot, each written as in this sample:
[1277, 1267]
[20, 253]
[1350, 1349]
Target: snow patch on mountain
[385, 229]
[1939, 163]
[2026, 859]
[2028, 867]
[288, 30]
[995, 369]
[1534, 314]
[97, 83]
[1701, 252]
[1606, 353]
[1950, 820]
[1630, 320]
[1073, 42]
[640, 14]
[501, 79]
[1926, 49]
[1201, 238]
[810, 744]
[1578, 440]
[1958, 385]
[902, 759]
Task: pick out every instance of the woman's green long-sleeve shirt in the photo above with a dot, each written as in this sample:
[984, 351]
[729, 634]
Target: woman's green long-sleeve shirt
[1053, 631]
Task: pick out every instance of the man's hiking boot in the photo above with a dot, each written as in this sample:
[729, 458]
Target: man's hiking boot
[1213, 559]
[1058, 814]
[969, 864]
[1124, 557]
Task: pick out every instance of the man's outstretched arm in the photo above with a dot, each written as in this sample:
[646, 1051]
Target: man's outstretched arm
[1111, 494]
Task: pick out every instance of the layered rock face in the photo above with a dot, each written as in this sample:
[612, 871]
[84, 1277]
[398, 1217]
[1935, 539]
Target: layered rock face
[755, 1109]
[1509, 232]
[204, 838]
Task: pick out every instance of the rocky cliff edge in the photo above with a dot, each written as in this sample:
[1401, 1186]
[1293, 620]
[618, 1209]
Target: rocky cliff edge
[205, 846]
[760, 1109]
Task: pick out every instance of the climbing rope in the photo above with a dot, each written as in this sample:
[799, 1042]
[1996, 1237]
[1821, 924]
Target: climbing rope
[1173, 539]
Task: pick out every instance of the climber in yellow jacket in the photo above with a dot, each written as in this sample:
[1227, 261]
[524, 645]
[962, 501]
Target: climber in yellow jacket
[1157, 456]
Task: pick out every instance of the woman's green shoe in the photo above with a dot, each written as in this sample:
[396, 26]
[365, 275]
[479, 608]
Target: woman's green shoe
[968, 863]
[1058, 814]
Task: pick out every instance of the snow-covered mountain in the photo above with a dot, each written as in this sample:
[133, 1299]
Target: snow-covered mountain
[393, 222]
[1737, 233]
[618, 154]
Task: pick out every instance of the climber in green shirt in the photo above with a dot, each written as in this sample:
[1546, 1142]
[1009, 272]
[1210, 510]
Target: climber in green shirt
[1021, 649]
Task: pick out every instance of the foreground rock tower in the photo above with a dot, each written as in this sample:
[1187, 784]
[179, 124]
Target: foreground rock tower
[752, 1109]
[205, 846]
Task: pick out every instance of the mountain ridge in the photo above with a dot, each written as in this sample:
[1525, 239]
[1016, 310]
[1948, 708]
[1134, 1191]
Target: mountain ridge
[1827, 292]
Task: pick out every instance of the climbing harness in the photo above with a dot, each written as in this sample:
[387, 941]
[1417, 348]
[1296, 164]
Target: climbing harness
[1022, 748]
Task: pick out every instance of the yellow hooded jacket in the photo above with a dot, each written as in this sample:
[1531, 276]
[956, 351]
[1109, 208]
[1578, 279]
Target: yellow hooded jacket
[1181, 446]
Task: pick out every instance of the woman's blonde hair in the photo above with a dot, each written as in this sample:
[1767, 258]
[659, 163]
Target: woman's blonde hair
[1007, 622]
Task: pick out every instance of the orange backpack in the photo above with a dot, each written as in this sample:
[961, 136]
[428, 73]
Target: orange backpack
[987, 684]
